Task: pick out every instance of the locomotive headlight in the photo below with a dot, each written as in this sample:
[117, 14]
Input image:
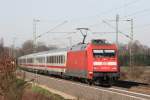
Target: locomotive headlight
[90, 72]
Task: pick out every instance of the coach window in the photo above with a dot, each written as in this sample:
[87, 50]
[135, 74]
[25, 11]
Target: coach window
[40, 60]
[49, 59]
[21, 60]
[62, 59]
[54, 59]
[57, 59]
[31, 61]
[43, 60]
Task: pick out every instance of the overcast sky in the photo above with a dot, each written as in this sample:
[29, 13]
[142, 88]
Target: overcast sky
[16, 20]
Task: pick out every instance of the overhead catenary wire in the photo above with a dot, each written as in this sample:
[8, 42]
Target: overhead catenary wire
[118, 30]
[139, 12]
[52, 29]
[109, 11]
[125, 5]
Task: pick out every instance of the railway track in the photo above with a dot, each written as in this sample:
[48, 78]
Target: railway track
[84, 91]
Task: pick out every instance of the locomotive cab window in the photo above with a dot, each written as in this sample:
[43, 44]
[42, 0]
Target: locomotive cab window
[104, 53]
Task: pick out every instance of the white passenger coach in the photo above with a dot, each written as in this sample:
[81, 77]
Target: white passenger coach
[51, 61]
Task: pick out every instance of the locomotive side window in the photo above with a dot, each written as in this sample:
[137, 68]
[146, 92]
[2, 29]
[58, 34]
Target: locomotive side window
[103, 53]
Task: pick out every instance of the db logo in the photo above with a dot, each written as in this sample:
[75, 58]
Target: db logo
[104, 63]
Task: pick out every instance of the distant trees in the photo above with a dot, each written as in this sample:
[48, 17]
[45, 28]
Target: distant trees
[1, 45]
[28, 48]
[140, 54]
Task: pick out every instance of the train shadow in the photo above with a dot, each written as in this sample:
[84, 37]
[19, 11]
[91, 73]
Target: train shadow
[128, 84]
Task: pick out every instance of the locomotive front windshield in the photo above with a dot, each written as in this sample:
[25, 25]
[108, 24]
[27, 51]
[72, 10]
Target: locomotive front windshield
[103, 53]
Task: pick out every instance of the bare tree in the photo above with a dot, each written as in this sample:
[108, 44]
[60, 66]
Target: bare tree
[28, 48]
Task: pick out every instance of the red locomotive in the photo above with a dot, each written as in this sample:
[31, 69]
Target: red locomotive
[94, 62]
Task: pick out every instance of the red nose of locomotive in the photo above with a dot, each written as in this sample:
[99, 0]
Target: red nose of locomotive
[105, 60]
[104, 56]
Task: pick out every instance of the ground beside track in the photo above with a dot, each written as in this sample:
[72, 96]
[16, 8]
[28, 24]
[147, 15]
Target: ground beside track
[84, 91]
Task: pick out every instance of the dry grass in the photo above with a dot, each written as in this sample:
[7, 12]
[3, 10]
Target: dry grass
[141, 89]
[139, 74]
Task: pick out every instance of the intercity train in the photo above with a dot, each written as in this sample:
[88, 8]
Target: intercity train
[96, 61]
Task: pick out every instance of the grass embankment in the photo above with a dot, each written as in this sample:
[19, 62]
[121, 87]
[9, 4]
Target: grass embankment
[39, 91]
[19, 89]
